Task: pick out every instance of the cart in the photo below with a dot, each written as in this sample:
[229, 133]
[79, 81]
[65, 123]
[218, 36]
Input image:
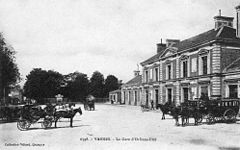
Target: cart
[31, 114]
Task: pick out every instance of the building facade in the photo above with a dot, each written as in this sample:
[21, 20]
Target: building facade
[115, 96]
[207, 64]
[131, 91]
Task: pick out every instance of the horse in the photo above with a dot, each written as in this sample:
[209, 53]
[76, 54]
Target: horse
[66, 114]
[185, 112]
[165, 108]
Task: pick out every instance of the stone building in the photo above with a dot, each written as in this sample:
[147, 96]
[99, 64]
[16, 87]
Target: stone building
[115, 96]
[206, 64]
[131, 91]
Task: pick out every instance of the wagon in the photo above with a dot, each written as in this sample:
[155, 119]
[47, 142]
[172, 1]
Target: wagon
[215, 110]
[225, 110]
[31, 114]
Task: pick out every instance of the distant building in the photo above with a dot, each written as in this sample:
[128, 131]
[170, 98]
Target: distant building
[206, 64]
[131, 91]
[115, 96]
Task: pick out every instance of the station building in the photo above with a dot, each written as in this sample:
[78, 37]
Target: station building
[207, 64]
[131, 91]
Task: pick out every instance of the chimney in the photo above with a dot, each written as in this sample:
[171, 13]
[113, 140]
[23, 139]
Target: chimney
[238, 23]
[161, 47]
[137, 72]
[172, 42]
[222, 21]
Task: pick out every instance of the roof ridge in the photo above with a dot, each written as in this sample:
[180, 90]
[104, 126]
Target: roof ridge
[198, 35]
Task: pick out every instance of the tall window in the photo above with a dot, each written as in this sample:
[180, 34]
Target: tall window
[185, 69]
[204, 65]
[233, 91]
[146, 76]
[169, 71]
[156, 74]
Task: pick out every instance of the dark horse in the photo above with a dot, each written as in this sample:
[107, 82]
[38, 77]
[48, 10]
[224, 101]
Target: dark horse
[165, 108]
[184, 111]
[66, 114]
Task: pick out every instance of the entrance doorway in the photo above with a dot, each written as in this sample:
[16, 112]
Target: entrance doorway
[156, 97]
[185, 94]
[169, 95]
[147, 95]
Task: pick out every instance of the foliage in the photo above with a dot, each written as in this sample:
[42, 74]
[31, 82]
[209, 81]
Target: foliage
[111, 84]
[42, 84]
[77, 86]
[97, 84]
[9, 72]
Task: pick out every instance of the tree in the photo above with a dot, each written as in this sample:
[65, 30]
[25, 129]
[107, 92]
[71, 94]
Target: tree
[42, 84]
[77, 86]
[111, 83]
[9, 72]
[97, 85]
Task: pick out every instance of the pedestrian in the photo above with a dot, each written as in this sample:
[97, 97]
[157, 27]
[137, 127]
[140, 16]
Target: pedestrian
[152, 105]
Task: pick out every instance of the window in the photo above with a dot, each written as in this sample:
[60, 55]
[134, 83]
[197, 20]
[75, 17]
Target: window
[194, 65]
[156, 74]
[146, 76]
[169, 72]
[204, 65]
[185, 69]
[233, 91]
[204, 91]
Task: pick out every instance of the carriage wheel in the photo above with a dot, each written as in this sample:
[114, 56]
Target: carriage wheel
[229, 115]
[210, 119]
[23, 124]
[47, 123]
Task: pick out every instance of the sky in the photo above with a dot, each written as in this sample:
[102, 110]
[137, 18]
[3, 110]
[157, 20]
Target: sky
[109, 36]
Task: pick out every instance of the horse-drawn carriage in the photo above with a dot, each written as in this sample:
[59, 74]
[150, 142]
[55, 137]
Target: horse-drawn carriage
[31, 114]
[89, 103]
[225, 110]
[220, 110]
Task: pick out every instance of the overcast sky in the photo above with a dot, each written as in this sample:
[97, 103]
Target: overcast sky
[111, 36]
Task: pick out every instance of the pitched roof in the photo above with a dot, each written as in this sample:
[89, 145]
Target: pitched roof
[115, 91]
[222, 33]
[134, 81]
